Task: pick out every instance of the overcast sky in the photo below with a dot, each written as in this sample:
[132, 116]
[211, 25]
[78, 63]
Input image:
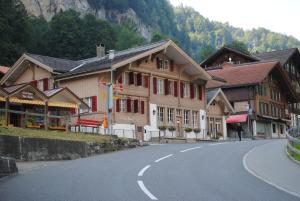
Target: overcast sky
[281, 16]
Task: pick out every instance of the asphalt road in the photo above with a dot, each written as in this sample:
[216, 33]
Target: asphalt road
[190, 172]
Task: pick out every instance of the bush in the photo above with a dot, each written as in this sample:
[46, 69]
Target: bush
[172, 128]
[197, 130]
[162, 128]
[188, 130]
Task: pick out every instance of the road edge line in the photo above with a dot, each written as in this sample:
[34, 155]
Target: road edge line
[190, 149]
[261, 178]
[162, 158]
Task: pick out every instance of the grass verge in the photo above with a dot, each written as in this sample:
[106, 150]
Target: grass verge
[54, 135]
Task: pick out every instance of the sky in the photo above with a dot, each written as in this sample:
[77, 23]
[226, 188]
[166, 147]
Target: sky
[281, 16]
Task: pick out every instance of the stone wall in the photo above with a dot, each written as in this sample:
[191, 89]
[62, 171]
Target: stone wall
[7, 166]
[36, 149]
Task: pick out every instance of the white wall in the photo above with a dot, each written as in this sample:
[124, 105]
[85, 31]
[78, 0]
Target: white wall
[203, 128]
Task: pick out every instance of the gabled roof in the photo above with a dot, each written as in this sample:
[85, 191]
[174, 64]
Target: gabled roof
[281, 55]
[57, 64]
[122, 58]
[211, 94]
[249, 74]
[14, 89]
[224, 49]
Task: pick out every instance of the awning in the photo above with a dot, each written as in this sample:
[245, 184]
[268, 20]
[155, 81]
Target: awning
[30, 102]
[63, 104]
[237, 118]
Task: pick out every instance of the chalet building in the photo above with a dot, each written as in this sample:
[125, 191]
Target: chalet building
[259, 93]
[218, 109]
[29, 98]
[227, 55]
[155, 85]
[288, 58]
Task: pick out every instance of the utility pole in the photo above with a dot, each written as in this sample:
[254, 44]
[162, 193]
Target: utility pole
[110, 103]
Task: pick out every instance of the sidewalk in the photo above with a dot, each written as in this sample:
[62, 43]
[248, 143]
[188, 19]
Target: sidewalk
[270, 163]
[25, 167]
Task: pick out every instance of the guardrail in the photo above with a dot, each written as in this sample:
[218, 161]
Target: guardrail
[293, 139]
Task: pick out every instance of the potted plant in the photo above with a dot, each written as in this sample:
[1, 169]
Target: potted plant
[172, 129]
[162, 128]
[197, 131]
[188, 130]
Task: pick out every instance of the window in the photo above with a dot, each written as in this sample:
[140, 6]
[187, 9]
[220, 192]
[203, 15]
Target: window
[89, 102]
[162, 64]
[194, 119]
[41, 85]
[274, 128]
[196, 92]
[122, 105]
[186, 90]
[166, 64]
[126, 78]
[160, 86]
[186, 117]
[171, 88]
[160, 114]
[178, 112]
[170, 115]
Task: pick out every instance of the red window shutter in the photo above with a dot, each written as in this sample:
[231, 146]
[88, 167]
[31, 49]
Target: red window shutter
[46, 84]
[128, 105]
[175, 89]
[118, 105]
[139, 79]
[73, 111]
[192, 91]
[181, 89]
[94, 103]
[142, 107]
[136, 106]
[157, 63]
[120, 80]
[155, 85]
[172, 65]
[146, 81]
[34, 83]
[200, 92]
[131, 78]
[166, 86]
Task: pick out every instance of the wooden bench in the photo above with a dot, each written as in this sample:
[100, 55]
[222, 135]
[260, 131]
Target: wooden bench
[94, 124]
[34, 126]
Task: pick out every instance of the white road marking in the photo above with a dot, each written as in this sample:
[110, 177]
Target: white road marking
[185, 150]
[263, 179]
[162, 158]
[142, 171]
[218, 143]
[145, 190]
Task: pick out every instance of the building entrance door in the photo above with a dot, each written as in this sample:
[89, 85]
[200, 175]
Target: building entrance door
[179, 129]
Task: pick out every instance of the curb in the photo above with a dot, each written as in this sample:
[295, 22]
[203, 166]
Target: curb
[263, 179]
[290, 157]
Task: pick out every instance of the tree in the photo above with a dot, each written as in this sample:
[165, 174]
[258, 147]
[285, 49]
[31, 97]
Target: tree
[240, 46]
[158, 37]
[13, 31]
[206, 51]
[66, 39]
[39, 36]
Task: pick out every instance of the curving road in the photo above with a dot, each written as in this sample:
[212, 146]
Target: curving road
[189, 172]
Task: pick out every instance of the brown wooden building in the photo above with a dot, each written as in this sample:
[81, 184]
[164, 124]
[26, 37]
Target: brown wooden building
[264, 88]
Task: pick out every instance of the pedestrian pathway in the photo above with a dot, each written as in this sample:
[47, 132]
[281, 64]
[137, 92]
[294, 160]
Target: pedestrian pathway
[270, 163]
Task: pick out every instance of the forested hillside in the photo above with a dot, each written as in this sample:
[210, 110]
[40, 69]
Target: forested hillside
[74, 35]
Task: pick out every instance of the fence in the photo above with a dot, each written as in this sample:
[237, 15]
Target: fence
[293, 140]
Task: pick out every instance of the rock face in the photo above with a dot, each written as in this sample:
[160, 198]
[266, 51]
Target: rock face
[48, 8]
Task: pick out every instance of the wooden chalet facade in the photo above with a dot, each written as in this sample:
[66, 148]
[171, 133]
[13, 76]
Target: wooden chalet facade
[261, 91]
[159, 85]
[30, 99]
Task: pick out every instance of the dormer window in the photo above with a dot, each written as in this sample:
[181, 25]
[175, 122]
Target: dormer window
[162, 64]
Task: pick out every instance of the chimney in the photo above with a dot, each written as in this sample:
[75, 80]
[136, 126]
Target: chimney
[111, 54]
[100, 50]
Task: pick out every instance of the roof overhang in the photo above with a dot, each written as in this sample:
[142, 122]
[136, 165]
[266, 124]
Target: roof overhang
[16, 69]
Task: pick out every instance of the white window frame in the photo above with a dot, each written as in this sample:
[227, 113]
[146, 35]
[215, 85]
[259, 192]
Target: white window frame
[123, 105]
[194, 119]
[170, 115]
[89, 102]
[186, 90]
[186, 117]
[171, 87]
[160, 114]
[160, 87]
